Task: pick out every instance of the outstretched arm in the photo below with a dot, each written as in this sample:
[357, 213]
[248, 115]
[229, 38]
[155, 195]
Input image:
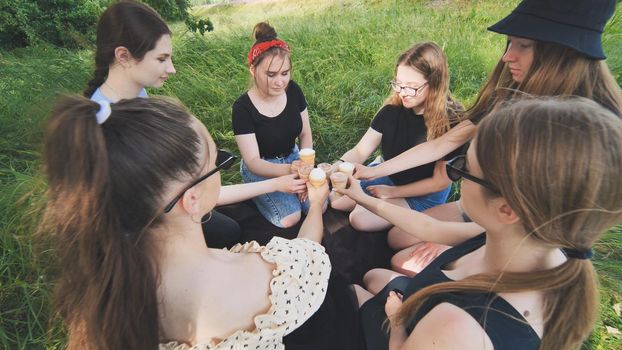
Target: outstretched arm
[313, 228]
[413, 222]
[437, 182]
[306, 136]
[423, 153]
[364, 148]
[236, 193]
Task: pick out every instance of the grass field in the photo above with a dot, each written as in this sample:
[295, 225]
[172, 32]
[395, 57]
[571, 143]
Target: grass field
[343, 55]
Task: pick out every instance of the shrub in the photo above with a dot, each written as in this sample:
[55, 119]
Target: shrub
[64, 23]
[171, 10]
[177, 10]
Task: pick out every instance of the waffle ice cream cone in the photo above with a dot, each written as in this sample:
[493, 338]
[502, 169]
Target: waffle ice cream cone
[307, 156]
[339, 180]
[295, 166]
[317, 177]
[328, 168]
[346, 168]
[304, 171]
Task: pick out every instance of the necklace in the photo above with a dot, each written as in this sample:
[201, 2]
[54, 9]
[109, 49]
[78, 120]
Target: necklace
[116, 95]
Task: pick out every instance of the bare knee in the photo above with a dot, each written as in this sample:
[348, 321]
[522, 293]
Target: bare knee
[399, 262]
[376, 279]
[290, 220]
[358, 220]
[342, 203]
[370, 277]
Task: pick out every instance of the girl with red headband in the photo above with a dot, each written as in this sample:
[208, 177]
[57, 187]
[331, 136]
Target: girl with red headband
[267, 120]
[134, 51]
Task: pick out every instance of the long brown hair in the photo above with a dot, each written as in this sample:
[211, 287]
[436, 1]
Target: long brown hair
[440, 109]
[556, 70]
[131, 24]
[105, 187]
[557, 164]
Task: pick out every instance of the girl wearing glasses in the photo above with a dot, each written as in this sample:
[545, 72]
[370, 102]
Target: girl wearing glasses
[420, 108]
[135, 277]
[134, 51]
[527, 282]
[552, 49]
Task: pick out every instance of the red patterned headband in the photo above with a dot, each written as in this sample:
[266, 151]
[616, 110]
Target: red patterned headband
[262, 47]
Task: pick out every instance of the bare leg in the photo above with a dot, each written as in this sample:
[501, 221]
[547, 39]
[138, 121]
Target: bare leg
[290, 220]
[364, 220]
[376, 279]
[361, 294]
[343, 203]
[412, 260]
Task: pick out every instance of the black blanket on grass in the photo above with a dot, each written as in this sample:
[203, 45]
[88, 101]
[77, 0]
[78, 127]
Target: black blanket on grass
[352, 253]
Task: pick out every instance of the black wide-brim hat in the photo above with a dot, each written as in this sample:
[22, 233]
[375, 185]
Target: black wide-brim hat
[577, 24]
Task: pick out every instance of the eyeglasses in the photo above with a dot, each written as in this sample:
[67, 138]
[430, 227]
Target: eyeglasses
[456, 169]
[408, 91]
[224, 161]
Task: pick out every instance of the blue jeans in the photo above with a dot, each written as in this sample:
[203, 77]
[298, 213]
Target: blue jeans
[420, 203]
[275, 206]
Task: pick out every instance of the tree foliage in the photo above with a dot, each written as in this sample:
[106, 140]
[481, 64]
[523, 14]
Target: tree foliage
[64, 23]
[71, 23]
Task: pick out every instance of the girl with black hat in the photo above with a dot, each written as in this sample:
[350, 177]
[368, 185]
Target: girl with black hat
[526, 283]
[554, 48]
[568, 59]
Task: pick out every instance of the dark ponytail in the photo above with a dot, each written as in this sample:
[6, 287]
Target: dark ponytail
[105, 195]
[130, 24]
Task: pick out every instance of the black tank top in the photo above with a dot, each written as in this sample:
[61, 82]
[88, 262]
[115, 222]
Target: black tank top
[504, 325]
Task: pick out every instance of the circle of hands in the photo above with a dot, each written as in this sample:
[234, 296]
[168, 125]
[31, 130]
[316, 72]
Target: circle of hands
[292, 183]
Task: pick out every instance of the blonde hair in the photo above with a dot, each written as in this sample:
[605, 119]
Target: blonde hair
[556, 71]
[440, 109]
[557, 163]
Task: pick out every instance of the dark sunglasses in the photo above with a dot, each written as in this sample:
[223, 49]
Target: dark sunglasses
[224, 161]
[456, 169]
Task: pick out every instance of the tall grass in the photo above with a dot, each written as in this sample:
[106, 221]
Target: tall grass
[343, 55]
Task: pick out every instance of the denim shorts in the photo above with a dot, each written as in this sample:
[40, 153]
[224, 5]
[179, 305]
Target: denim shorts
[420, 203]
[275, 206]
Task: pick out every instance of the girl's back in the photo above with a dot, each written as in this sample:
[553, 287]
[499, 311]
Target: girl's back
[192, 305]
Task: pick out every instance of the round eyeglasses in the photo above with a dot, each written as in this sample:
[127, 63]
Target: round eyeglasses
[408, 91]
[224, 161]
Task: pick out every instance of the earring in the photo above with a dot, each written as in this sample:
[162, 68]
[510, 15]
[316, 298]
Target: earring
[208, 218]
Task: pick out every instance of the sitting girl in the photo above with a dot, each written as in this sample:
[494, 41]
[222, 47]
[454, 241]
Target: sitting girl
[267, 120]
[543, 180]
[134, 51]
[419, 109]
[128, 185]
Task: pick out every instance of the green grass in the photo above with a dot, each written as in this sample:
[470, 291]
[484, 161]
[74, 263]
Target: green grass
[343, 55]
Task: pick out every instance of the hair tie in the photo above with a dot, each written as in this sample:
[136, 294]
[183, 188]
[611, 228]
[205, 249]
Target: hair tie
[104, 112]
[578, 254]
[260, 48]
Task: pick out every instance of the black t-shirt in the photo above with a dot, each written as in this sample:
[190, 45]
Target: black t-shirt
[401, 130]
[276, 136]
[505, 326]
